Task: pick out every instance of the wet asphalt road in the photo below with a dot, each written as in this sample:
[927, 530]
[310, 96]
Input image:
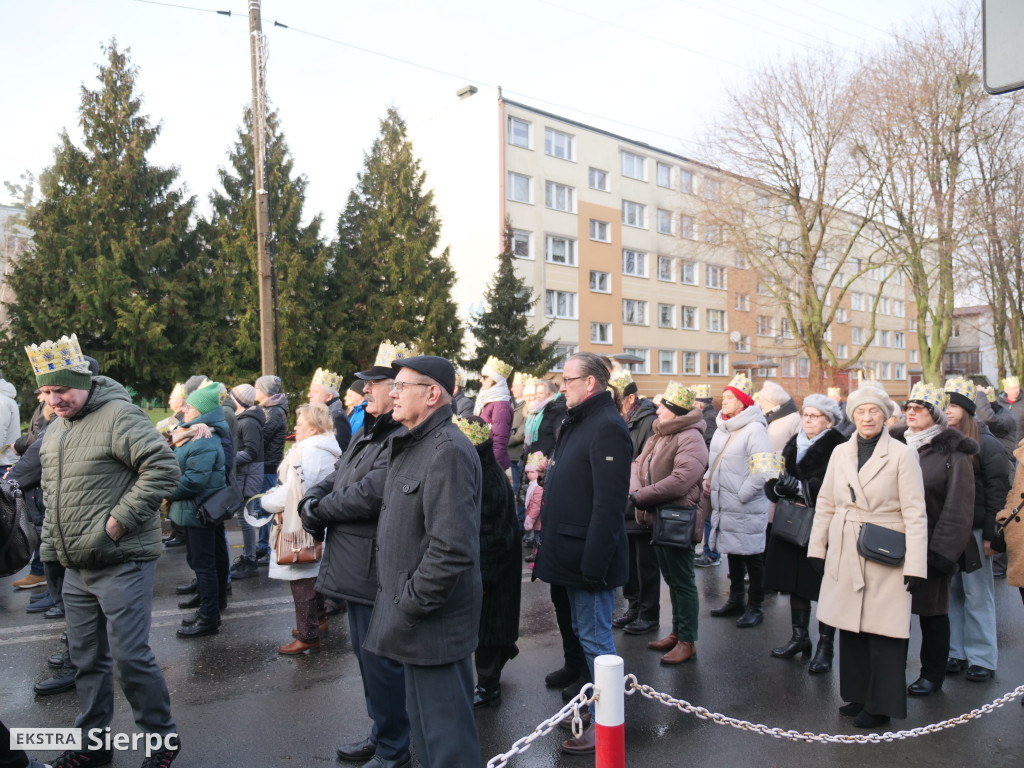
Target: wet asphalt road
[238, 703]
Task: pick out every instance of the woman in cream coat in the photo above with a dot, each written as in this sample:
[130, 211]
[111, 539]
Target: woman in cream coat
[870, 479]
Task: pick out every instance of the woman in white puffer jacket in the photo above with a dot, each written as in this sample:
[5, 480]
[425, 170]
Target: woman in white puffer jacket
[739, 507]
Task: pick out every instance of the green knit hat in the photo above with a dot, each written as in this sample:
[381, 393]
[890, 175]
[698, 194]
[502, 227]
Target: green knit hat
[206, 398]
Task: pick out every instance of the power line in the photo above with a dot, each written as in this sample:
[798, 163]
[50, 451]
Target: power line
[849, 18]
[836, 27]
[193, 8]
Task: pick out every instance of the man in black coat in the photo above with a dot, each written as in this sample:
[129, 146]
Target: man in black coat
[586, 489]
[347, 503]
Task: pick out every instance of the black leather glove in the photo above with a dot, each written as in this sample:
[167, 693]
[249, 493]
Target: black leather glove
[817, 565]
[914, 583]
[941, 564]
[787, 485]
[310, 523]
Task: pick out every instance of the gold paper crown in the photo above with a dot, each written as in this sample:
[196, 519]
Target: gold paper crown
[743, 383]
[178, 391]
[521, 377]
[1010, 381]
[478, 433]
[223, 392]
[961, 386]
[531, 382]
[537, 461]
[387, 353]
[499, 367]
[701, 391]
[327, 380]
[929, 393]
[621, 379]
[835, 392]
[460, 379]
[767, 465]
[50, 356]
[679, 395]
[165, 426]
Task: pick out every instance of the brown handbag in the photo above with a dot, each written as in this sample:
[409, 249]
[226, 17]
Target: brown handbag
[296, 547]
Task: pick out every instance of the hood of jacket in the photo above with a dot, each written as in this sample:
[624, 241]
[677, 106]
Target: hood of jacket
[749, 415]
[644, 408]
[783, 410]
[214, 420]
[326, 442]
[104, 390]
[692, 420]
[6, 388]
[280, 400]
[253, 412]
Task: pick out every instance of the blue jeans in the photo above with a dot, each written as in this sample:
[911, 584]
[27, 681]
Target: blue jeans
[707, 537]
[592, 622]
[972, 615]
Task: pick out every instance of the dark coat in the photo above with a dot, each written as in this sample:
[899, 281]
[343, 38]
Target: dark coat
[201, 461]
[515, 440]
[28, 474]
[585, 490]
[711, 419]
[275, 408]
[1017, 409]
[786, 568]
[641, 424]
[428, 537]
[948, 474]
[342, 427]
[349, 506]
[550, 424]
[500, 570]
[36, 423]
[462, 405]
[249, 465]
[1000, 421]
[991, 483]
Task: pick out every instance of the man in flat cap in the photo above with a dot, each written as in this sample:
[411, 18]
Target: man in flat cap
[428, 611]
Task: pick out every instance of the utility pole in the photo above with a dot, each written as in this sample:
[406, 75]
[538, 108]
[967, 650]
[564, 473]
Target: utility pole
[258, 49]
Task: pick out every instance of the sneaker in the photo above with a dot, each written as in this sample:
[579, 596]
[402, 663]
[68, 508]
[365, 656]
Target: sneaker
[29, 582]
[706, 561]
[84, 759]
[161, 759]
[243, 568]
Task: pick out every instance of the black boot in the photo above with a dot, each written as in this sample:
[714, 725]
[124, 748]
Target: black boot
[733, 607]
[751, 617]
[822, 661]
[800, 642]
[202, 626]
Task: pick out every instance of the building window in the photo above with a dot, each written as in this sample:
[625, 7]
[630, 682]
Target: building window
[598, 179]
[664, 221]
[558, 144]
[601, 333]
[686, 182]
[686, 226]
[716, 321]
[562, 353]
[691, 363]
[666, 361]
[643, 367]
[632, 166]
[714, 277]
[688, 319]
[600, 282]
[718, 363]
[561, 304]
[883, 339]
[634, 263]
[739, 260]
[712, 234]
[856, 335]
[560, 250]
[898, 309]
[899, 340]
[600, 231]
[913, 355]
[886, 371]
[899, 371]
[765, 325]
[742, 302]
[883, 305]
[518, 132]
[522, 244]
[520, 188]
[787, 329]
[664, 175]
[634, 312]
[665, 270]
[743, 345]
[688, 273]
[712, 189]
[788, 367]
[842, 352]
[856, 301]
[559, 197]
[634, 214]
[841, 316]
[666, 315]
[803, 367]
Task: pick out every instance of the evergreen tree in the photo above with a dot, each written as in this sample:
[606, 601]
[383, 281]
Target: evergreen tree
[228, 304]
[388, 284]
[503, 329]
[111, 241]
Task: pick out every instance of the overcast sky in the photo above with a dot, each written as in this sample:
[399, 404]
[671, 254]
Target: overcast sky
[652, 70]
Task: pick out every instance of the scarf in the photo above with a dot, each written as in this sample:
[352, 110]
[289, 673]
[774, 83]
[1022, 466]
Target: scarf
[803, 442]
[497, 394]
[182, 435]
[533, 420]
[918, 440]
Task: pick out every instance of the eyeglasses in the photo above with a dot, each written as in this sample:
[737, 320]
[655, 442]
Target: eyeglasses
[914, 408]
[567, 379]
[812, 416]
[399, 386]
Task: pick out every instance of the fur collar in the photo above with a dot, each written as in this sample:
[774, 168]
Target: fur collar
[947, 442]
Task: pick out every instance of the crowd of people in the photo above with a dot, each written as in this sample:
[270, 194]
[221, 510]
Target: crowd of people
[411, 508]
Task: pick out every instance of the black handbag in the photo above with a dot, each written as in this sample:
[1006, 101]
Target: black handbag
[883, 545]
[222, 505]
[674, 527]
[793, 521]
[998, 542]
[18, 538]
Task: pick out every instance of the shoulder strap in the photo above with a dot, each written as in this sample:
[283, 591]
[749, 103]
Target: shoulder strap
[721, 453]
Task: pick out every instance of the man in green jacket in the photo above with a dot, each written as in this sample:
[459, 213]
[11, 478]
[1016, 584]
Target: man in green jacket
[105, 470]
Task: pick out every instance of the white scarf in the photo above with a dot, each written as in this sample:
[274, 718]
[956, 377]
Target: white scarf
[496, 394]
[918, 440]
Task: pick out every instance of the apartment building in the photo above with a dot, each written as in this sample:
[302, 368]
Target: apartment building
[612, 236]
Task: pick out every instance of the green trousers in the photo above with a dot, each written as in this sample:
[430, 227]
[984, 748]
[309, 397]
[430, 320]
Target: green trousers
[677, 568]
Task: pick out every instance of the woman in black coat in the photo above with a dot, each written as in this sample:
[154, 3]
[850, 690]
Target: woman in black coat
[500, 568]
[786, 568]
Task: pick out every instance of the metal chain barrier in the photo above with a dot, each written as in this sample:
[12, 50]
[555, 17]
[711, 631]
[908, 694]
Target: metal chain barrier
[584, 698]
[632, 686]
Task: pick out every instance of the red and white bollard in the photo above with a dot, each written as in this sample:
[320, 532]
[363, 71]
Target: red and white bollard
[609, 712]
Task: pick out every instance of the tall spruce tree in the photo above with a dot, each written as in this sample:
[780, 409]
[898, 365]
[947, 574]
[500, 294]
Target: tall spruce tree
[388, 283]
[504, 329]
[229, 342]
[111, 242]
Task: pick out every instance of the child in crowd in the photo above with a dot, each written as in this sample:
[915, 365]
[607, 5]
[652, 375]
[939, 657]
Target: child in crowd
[535, 466]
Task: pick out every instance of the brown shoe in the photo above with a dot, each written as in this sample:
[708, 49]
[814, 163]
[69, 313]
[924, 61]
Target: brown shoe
[29, 582]
[566, 722]
[682, 652]
[321, 628]
[297, 647]
[585, 744]
[665, 644]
